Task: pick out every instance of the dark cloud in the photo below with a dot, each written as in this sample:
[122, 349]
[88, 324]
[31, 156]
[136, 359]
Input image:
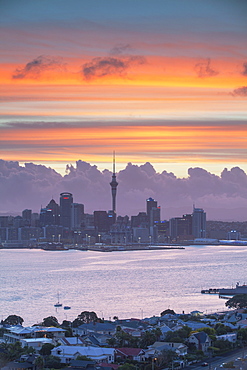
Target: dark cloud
[100, 67]
[118, 63]
[121, 49]
[40, 64]
[241, 91]
[223, 197]
[204, 69]
[244, 72]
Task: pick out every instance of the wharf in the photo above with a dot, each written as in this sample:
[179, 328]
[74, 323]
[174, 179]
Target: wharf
[133, 247]
[239, 289]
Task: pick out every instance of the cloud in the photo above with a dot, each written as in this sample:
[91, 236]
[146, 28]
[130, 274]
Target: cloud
[120, 49]
[204, 69]
[38, 65]
[241, 91]
[244, 72]
[100, 67]
[223, 197]
[116, 64]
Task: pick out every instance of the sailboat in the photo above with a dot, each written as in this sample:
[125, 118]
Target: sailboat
[58, 304]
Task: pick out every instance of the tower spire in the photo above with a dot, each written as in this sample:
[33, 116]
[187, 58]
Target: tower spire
[114, 185]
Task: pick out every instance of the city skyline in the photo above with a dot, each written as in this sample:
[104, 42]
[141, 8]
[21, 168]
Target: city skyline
[163, 82]
[33, 186]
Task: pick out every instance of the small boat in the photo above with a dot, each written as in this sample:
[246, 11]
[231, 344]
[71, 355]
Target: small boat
[67, 308]
[58, 304]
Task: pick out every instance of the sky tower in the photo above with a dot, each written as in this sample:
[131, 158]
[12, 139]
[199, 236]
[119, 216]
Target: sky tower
[114, 185]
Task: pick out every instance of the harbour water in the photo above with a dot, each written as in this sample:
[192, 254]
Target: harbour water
[126, 284]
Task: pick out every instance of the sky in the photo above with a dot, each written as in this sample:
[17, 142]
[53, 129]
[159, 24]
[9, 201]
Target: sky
[162, 82]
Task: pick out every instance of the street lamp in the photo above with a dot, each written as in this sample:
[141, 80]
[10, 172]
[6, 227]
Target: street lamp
[99, 237]
[89, 239]
[150, 239]
[139, 239]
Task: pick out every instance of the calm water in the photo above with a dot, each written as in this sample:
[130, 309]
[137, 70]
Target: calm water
[126, 284]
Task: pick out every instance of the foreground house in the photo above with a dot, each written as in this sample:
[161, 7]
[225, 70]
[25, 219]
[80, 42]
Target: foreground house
[201, 340]
[17, 333]
[126, 353]
[156, 349]
[98, 354]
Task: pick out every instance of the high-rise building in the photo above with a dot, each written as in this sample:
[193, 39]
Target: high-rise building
[27, 216]
[77, 215]
[153, 212]
[66, 200]
[181, 227]
[114, 185]
[101, 221]
[55, 211]
[199, 223]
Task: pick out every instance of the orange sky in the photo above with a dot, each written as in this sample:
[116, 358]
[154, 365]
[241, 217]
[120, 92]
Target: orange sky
[162, 84]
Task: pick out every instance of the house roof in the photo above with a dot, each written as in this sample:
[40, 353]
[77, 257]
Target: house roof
[97, 352]
[98, 326]
[130, 351]
[201, 336]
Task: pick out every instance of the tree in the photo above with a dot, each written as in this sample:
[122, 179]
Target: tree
[50, 321]
[237, 301]
[127, 366]
[39, 362]
[242, 335]
[208, 331]
[178, 336]
[222, 329]
[168, 311]
[223, 345]
[53, 362]
[85, 317]
[46, 349]
[167, 356]
[149, 337]
[13, 320]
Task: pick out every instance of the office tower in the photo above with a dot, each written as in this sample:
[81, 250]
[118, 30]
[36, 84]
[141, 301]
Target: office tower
[45, 217]
[153, 211]
[54, 207]
[114, 185]
[27, 216]
[181, 228]
[77, 215]
[199, 223]
[154, 215]
[101, 221]
[66, 200]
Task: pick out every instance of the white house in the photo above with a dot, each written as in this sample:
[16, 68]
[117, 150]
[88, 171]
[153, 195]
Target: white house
[36, 343]
[98, 354]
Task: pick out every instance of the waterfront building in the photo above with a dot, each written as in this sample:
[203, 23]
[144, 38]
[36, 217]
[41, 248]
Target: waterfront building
[199, 223]
[180, 228]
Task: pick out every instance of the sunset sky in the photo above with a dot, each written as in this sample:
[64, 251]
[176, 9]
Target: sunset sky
[161, 81]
